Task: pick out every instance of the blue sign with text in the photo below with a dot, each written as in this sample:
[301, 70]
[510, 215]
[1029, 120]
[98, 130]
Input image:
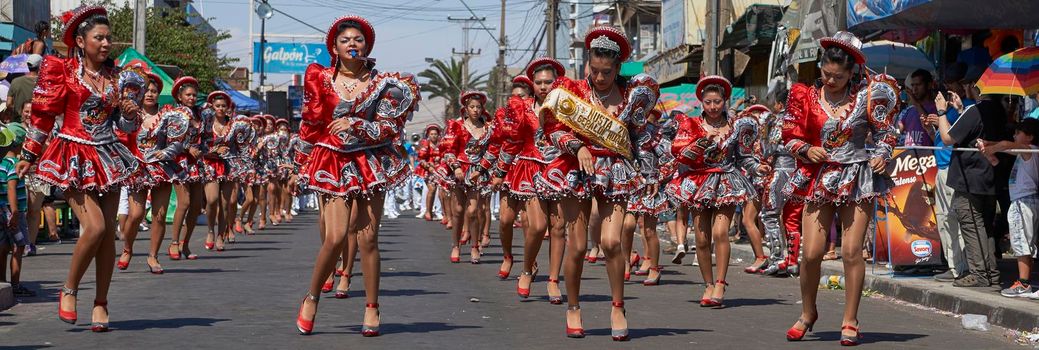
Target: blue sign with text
[289, 58]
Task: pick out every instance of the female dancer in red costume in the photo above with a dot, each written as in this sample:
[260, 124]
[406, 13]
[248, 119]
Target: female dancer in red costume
[429, 156]
[189, 187]
[494, 162]
[271, 148]
[752, 208]
[644, 209]
[85, 160]
[160, 140]
[712, 146]
[588, 167]
[218, 187]
[252, 184]
[463, 147]
[352, 114]
[832, 126]
[524, 155]
[239, 161]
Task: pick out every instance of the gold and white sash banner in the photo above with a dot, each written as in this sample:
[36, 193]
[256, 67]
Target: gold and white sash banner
[592, 122]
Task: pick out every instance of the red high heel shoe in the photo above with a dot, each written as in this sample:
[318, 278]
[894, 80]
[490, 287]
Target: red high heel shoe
[169, 251]
[327, 287]
[759, 268]
[718, 302]
[635, 261]
[120, 263]
[343, 294]
[620, 334]
[524, 292]
[574, 332]
[303, 326]
[655, 281]
[369, 331]
[187, 256]
[66, 316]
[504, 274]
[456, 259]
[794, 334]
[238, 227]
[850, 340]
[555, 299]
[706, 301]
[100, 327]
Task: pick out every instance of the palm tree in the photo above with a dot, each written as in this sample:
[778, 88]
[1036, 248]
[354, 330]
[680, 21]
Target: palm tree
[445, 80]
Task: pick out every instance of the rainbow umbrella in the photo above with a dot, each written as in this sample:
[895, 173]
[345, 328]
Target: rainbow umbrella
[1016, 73]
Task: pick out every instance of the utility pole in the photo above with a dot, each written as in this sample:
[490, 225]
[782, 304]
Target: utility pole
[711, 51]
[140, 15]
[503, 80]
[551, 29]
[466, 52]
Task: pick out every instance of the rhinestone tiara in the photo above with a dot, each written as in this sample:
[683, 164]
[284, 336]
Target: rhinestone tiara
[604, 42]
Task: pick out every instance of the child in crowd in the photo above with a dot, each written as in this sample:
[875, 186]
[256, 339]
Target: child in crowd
[13, 226]
[1024, 196]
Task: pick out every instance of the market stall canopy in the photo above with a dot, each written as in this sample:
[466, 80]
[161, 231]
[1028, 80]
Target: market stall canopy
[756, 26]
[896, 59]
[242, 102]
[130, 55]
[870, 15]
[682, 98]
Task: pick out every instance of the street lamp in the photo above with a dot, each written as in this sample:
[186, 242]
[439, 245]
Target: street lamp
[265, 12]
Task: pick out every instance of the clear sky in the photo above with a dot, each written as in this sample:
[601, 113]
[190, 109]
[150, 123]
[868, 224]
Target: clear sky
[407, 31]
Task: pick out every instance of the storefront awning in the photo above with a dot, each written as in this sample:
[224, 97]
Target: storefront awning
[757, 26]
[870, 15]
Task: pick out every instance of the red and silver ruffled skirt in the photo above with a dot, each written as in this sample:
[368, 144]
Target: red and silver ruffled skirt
[214, 169]
[836, 183]
[445, 178]
[348, 175]
[153, 174]
[615, 179]
[701, 190]
[194, 169]
[67, 164]
[519, 181]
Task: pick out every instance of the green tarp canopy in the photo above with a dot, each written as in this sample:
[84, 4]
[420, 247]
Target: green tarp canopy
[130, 55]
[629, 69]
[165, 98]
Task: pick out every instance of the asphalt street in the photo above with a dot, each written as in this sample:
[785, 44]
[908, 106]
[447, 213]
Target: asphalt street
[247, 298]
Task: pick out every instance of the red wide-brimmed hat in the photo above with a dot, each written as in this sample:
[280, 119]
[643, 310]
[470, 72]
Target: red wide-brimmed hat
[256, 120]
[267, 118]
[472, 94]
[560, 70]
[73, 18]
[180, 82]
[431, 127]
[154, 78]
[523, 80]
[713, 80]
[759, 108]
[214, 94]
[366, 29]
[281, 121]
[609, 38]
[847, 42]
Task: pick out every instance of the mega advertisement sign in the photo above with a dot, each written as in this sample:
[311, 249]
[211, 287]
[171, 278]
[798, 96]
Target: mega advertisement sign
[906, 216]
[289, 58]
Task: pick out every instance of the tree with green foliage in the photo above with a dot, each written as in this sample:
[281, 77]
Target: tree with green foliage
[170, 40]
[445, 80]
